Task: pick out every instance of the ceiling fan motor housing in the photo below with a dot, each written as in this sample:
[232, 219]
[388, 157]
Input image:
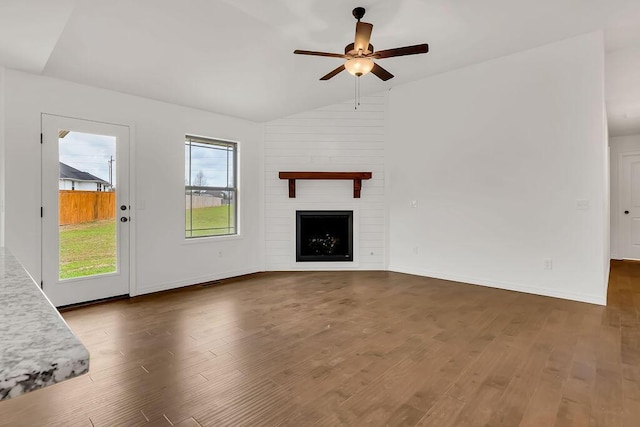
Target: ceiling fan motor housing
[351, 50]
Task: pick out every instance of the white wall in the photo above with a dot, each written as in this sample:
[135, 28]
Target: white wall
[623, 90]
[497, 156]
[2, 157]
[606, 184]
[619, 145]
[163, 259]
[333, 138]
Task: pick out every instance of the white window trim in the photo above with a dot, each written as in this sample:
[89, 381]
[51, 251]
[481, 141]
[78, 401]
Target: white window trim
[236, 180]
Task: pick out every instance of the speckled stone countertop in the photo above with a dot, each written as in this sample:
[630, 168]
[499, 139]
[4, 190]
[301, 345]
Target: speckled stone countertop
[37, 348]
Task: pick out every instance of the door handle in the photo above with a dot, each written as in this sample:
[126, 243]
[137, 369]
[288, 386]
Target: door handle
[123, 208]
[626, 212]
[124, 219]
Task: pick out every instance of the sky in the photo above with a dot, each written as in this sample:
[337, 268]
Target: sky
[212, 161]
[89, 153]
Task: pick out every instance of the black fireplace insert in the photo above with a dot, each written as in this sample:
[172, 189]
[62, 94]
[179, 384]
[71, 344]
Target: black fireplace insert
[324, 236]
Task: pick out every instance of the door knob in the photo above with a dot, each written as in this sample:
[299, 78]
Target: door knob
[626, 212]
[124, 219]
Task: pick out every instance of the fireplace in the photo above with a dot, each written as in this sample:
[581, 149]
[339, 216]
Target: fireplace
[324, 236]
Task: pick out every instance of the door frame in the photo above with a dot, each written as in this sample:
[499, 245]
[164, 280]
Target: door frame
[621, 236]
[133, 284]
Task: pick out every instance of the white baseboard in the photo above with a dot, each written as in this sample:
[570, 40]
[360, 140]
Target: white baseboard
[591, 299]
[165, 286]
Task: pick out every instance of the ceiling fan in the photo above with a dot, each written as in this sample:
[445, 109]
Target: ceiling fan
[360, 54]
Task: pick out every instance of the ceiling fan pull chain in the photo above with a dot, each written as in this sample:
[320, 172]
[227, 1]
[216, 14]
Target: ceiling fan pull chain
[355, 94]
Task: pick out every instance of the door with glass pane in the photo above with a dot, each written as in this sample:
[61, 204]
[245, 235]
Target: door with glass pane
[85, 199]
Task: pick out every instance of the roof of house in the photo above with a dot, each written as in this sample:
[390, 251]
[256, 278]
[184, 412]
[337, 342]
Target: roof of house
[68, 172]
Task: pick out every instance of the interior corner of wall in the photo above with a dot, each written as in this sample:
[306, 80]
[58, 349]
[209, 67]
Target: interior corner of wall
[2, 158]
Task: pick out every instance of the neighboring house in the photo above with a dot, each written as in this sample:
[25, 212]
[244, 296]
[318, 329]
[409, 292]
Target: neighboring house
[74, 179]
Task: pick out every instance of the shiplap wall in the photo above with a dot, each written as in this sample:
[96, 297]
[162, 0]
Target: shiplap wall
[333, 138]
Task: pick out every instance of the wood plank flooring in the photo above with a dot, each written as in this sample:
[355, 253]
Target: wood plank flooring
[350, 348]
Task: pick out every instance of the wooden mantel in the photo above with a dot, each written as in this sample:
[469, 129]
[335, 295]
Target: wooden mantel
[357, 178]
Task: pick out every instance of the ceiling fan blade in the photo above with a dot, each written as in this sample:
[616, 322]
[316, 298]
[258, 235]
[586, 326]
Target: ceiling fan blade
[363, 35]
[382, 74]
[401, 51]
[333, 73]
[313, 53]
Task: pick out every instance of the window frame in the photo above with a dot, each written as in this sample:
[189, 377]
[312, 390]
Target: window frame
[232, 166]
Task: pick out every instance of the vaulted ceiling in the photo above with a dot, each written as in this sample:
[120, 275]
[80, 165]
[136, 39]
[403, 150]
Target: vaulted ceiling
[235, 56]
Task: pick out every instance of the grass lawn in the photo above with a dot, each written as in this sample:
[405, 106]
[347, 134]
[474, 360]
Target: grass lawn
[87, 249]
[90, 248]
[208, 221]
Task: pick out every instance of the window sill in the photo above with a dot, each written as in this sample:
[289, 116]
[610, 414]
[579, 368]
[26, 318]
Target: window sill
[211, 239]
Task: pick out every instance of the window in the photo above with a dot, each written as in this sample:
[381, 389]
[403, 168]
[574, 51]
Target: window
[210, 187]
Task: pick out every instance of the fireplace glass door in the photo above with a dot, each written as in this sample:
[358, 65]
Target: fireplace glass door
[324, 236]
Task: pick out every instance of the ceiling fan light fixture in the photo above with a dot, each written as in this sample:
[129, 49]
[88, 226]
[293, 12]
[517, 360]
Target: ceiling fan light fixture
[359, 55]
[359, 66]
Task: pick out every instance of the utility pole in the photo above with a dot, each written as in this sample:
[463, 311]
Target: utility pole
[110, 161]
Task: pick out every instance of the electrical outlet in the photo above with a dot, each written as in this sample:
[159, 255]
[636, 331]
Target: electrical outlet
[548, 264]
[219, 254]
[416, 250]
[413, 204]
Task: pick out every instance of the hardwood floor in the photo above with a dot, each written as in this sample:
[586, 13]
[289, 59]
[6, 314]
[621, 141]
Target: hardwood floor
[350, 348]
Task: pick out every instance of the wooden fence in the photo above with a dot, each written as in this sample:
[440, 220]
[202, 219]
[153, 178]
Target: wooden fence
[86, 206]
[202, 201]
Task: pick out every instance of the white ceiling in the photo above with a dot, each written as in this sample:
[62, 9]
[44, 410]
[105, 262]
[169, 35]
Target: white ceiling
[235, 56]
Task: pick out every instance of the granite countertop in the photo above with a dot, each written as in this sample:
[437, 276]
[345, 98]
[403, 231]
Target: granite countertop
[37, 348]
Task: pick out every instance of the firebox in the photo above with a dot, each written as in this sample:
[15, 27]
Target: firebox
[324, 236]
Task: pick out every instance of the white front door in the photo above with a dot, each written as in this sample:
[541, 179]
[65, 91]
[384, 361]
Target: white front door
[629, 208]
[85, 199]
